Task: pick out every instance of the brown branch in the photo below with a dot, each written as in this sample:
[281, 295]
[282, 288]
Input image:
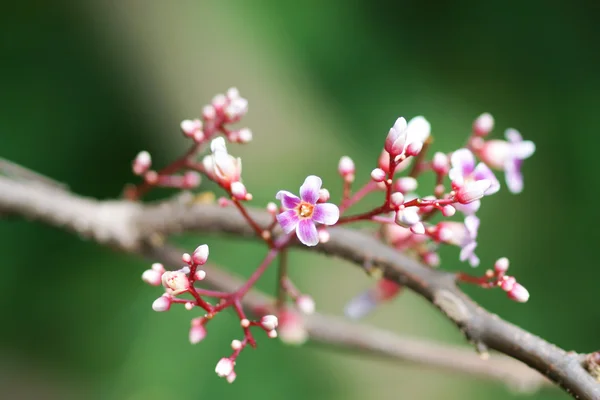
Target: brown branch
[129, 225]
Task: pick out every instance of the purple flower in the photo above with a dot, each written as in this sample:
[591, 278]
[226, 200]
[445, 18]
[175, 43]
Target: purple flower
[508, 156]
[473, 181]
[461, 235]
[302, 213]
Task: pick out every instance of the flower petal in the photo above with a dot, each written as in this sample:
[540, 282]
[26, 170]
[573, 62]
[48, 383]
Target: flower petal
[482, 171]
[464, 160]
[512, 174]
[472, 225]
[513, 135]
[288, 200]
[307, 232]
[309, 191]
[418, 130]
[523, 150]
[288, 220]
[467, 251]
[326, 213]
[468, 209]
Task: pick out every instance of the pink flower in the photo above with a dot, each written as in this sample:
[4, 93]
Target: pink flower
[402, 135]
[471, 181]
[302, 213]
[508, 156]
[461, 235]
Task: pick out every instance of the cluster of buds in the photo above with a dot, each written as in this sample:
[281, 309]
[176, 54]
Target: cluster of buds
[406, 219]
[405, 216]
[185, 173]
[181, 282]
[497, 277]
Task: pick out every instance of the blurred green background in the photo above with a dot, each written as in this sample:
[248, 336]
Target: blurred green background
[85, 85]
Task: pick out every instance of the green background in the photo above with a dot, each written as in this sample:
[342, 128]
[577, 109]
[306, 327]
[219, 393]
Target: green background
[85, 85]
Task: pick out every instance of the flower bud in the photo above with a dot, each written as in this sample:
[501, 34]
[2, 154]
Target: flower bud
[518, 293]
[142, 163]
[224, 367]
[152, 277]
[483, 125]
[501, 265]
[378, 175]
[200, 255]
[238, 190]
[197, 333]
[397, 199]
[163, 303]
[406, 184]
[191, 179]
[346, 168]
[414, 149]
[448, 210]
[440, 163]
[305, 304]
[472, 191]
[269, 322]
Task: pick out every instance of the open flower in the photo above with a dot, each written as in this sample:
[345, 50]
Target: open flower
[508, 156]
[461, 235]
[303, 212]
[471, 181]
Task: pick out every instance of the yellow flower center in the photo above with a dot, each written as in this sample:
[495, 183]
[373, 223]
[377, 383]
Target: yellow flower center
[305, 210]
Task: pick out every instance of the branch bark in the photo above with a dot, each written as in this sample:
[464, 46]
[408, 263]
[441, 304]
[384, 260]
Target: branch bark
[131, 226]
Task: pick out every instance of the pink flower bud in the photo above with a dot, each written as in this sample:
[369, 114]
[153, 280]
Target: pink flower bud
[244, 135]
[191, 128]
[209, 112]
[244, 323]
[163, 303]
[238, 190]
[408, 217]
[472, 191]
[346, 167]
[224, 367]
[191, 179]
[323, 195]
[272, 334]
[378, 175]
[414, 149]
[518, 293]
[406, 184]
[384, 161]
[231, 377]
[158, 267]
[291, 328]
[200, 275]
[396, 138]
[152, 277]
[272, 208]
[440, 163]
[176, 282]
[483, 125]
[236, 344]
[269, 322]
[200, 255]
[324, 235]
[508, 283]
[448, 211]
[432, 259]
[197, 333]
[397, 199]
[151, 177]
[305, 304]
[236, 109]
[219, 101]
[142, 163]
[501, 265]
[233, 93]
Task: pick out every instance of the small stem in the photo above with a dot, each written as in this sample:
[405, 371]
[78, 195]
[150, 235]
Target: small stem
[417, 165]
[257, 229]
[281, 275]
[362, 192]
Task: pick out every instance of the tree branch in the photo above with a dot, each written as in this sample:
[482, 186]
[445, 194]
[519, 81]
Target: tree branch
[129, 226]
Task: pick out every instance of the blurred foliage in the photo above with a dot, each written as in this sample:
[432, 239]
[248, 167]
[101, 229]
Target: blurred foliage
[76, 318]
